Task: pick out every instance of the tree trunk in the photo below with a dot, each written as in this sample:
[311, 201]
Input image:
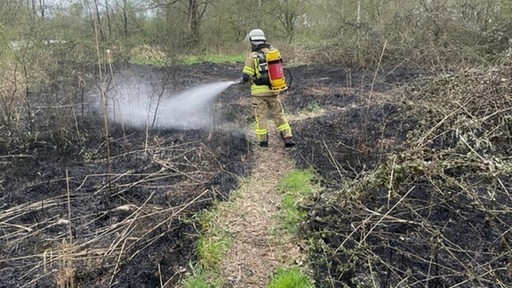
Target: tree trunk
[194, 23]
[109, 25]
[195, 12]
[125, 18]
[98, 19]
[42, 8]
[34, 9]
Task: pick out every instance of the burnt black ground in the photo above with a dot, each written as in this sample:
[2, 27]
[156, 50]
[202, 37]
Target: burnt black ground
[138, 223]
[142, 199]
[173, 169]
[406, 202]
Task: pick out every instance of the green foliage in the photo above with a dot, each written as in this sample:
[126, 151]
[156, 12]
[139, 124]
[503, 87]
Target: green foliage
[423, 33]
[4, 44]
[211, 249]
[313, 106]
[214, 59]
[291, 278]
[213, 241]
[198, 279]
[151, 61]
[298, 182]
[295, 187]
[150, 56]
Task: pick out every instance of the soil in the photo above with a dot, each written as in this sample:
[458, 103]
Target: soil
[70, 214]
[257, 247]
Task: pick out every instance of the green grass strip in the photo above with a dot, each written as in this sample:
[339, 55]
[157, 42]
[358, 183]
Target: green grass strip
[212, 244]
[294, 188]
[189, 60]
[291, 278]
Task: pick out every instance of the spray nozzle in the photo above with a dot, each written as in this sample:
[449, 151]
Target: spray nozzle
[238, 81]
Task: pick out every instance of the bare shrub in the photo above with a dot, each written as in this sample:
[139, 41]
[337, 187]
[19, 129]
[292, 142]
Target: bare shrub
[437, 213]
[442, 37]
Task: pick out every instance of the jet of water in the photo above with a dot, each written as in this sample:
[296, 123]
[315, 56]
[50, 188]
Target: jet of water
[140, 105]
[193, 108]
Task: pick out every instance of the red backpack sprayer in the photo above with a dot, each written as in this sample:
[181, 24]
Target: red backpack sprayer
[271, 71]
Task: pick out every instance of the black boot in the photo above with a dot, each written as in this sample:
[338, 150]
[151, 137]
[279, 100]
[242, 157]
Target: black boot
[288, 142]
[264, 143]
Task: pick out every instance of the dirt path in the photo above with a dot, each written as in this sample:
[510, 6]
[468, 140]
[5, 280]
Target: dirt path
[258, 248]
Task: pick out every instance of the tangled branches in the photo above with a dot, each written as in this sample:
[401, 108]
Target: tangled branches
[438, 213]
[83, 229]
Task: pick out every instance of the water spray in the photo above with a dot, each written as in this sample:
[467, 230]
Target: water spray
[139, 103]
[238, 81]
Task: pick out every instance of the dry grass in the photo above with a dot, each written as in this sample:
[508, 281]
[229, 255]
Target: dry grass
[250, 219]
[436, 213]
[46, 246]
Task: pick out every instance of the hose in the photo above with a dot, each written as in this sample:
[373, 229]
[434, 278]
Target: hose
[288, 77]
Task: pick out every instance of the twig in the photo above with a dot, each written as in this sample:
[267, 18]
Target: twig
[28, 229]
[384, 216]
[16, 156]
[131, 220]
[69, 209]
[377, 69]
[420, 143]
[390, 188]
[171, 217]
[333, 160]
[117, 263]
[160, 276]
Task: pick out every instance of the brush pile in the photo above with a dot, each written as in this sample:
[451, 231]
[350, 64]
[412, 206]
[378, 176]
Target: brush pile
[89, 220]
[435, 210]
[76, 214]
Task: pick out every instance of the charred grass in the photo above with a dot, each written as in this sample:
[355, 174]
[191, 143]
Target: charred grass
[73, 215]
[415, 169]
[419, 186]
[129, 226]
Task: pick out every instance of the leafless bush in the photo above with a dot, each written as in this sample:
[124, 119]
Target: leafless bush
[83, 230]
[443, 37]
[40, 99]
[438, 213]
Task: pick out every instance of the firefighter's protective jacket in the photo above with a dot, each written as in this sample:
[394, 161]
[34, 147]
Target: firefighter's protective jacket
[251, 70]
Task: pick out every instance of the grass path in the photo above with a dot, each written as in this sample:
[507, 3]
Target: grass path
[257, 247]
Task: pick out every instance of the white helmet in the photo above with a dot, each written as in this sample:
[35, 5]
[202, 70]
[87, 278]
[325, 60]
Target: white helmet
[256, 35]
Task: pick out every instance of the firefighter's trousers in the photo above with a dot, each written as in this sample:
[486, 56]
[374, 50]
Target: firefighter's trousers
[262, 105]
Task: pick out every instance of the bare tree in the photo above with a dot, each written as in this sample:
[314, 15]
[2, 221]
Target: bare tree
[125, 18]
[194, 10]
[98, 19]
[42, 8]
[107, 14]
[288, 13]
[195, 13]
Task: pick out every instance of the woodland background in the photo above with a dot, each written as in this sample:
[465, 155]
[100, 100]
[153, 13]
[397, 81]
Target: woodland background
[56, 43]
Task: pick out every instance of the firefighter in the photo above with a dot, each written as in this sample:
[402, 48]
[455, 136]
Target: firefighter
[264, 98]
